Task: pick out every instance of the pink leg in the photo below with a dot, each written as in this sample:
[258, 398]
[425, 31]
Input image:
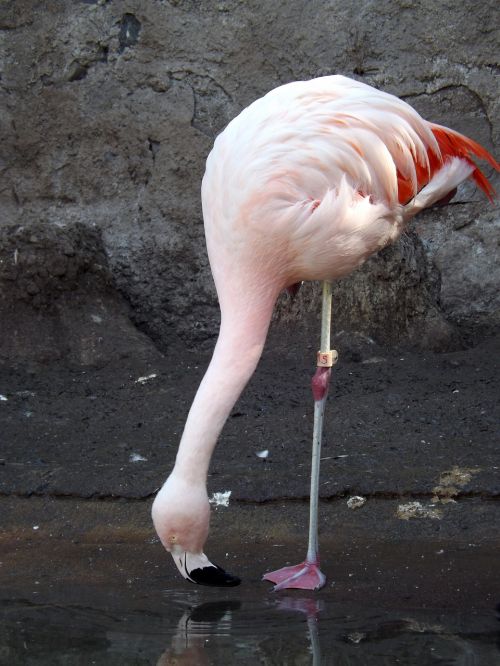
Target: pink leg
[307, 575]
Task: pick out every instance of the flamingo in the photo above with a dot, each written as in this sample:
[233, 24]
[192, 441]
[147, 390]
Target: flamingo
[304, 184]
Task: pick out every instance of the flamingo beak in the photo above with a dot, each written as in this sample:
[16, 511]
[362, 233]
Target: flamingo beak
[197, 568]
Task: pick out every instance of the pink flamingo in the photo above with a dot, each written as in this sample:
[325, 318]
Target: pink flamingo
[305, 184]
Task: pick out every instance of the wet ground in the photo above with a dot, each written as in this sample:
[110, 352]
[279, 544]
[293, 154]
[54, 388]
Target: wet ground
[413, 575]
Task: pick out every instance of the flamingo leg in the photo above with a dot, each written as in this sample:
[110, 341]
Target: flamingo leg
[307, 575]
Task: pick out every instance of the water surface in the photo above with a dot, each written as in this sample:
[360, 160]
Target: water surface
[209, 627]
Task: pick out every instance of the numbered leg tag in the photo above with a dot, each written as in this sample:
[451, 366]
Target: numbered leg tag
[325, 359]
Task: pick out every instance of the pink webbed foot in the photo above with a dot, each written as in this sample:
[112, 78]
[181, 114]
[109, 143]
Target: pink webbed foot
[305, 576]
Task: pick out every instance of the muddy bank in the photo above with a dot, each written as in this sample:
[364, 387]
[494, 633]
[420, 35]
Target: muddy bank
[370, 553]
[395, 424]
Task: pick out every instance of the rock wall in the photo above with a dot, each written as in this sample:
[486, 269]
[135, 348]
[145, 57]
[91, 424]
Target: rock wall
[109, 109]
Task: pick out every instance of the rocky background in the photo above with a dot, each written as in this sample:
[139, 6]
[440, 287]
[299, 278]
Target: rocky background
[109, 109]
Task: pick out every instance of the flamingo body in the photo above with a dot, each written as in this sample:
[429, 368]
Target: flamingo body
[305, 184]
[315, 176]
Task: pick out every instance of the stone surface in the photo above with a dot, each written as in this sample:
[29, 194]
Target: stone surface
[109, 110]
[58, 300]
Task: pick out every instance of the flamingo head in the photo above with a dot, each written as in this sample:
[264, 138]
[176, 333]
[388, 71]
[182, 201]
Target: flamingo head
[181, 516]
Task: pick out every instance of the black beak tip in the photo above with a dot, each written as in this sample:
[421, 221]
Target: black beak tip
[214, 576]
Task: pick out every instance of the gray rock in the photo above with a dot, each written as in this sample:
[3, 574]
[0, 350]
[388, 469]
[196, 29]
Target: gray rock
[109, 111]
[58, 300]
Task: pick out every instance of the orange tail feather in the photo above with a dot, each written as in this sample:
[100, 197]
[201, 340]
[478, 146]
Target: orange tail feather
[454, 144]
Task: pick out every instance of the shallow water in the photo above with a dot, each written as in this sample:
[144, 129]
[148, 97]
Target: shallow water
[79, 599]
[203, 627]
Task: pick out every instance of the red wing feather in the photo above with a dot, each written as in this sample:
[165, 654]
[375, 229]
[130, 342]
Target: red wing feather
[451, 144]
[454, 144]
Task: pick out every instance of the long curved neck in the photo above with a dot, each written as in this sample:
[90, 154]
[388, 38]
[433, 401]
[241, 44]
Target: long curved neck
[239, 347]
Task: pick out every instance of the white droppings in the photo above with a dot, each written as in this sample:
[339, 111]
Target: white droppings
[220, 499]
[356, 502]
[36, 527]
[136, 457]
[146, 378]
[423, 627]
[3, 398]
[417, 510]
[262, 454]
[451, 482]
[97, 319]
